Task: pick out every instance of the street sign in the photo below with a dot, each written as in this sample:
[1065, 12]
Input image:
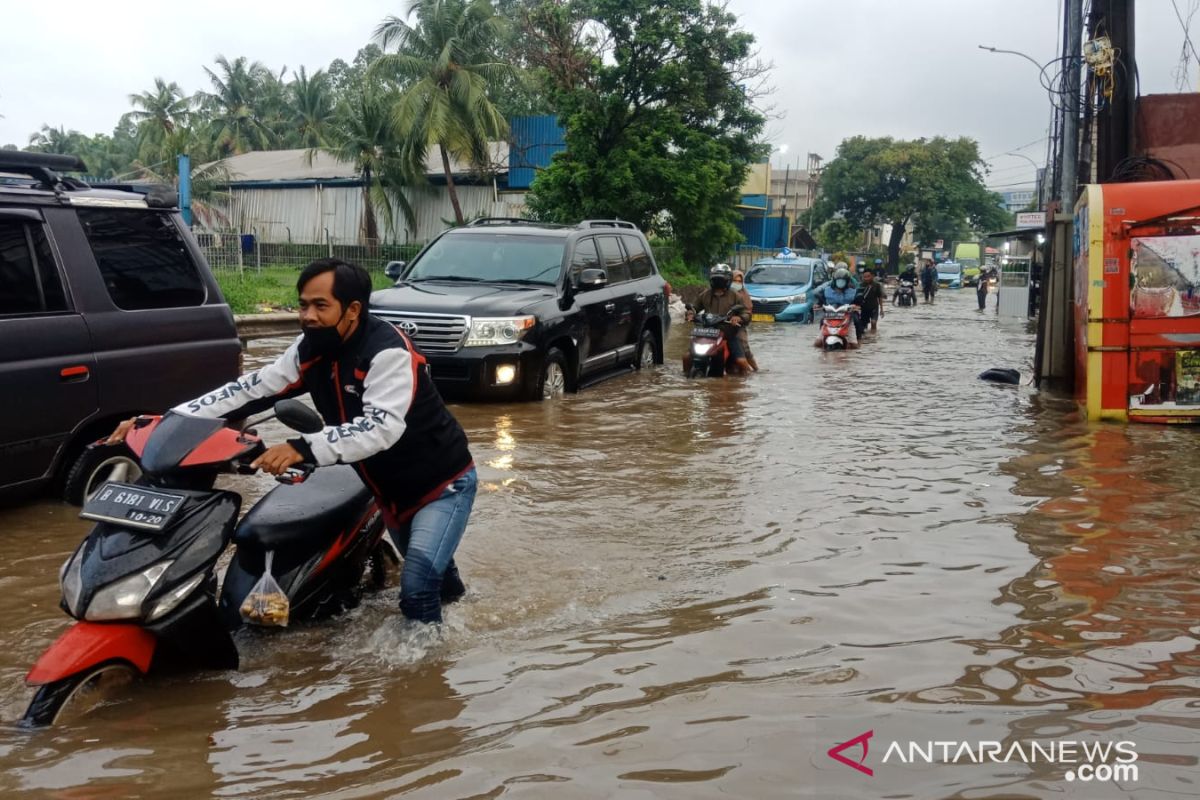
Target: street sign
[1031, 219]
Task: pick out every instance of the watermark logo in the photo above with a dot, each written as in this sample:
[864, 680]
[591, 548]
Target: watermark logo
[863, 739]
[1084, 761]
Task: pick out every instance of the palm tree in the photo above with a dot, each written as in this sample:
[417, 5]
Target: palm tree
[363, 135]
[56, 140]
[312, 107]
[210, 186]
[444, 62]
[158, 112]
[237, 123]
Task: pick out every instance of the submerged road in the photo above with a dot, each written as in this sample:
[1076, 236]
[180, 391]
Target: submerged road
[684, 589]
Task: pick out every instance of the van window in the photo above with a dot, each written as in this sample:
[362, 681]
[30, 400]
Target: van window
[143, 259]
[585, 257]
[29, 281]
[639, 260]
[613, 258]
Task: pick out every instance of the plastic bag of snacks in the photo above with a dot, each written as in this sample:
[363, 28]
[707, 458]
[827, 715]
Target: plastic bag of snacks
[266, 604]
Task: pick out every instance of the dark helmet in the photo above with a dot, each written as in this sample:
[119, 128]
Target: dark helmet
[720, 276]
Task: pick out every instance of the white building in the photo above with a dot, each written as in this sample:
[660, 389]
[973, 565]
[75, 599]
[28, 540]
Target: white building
[305, 196]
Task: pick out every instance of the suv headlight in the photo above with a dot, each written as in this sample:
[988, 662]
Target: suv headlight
[498, 330]
[123, 599]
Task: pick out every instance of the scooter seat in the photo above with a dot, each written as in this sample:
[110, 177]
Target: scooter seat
[306, 515]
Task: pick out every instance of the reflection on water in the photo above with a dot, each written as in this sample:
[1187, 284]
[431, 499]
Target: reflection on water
[696, 588]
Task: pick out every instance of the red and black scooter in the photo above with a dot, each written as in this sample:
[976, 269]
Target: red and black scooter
[143, 584]
[708, 347]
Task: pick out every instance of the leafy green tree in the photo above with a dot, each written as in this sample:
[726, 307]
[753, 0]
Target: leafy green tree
[658, 128]
[363, 134]
[444, 62]
[927, 182]
[346, 79]
[839, 235]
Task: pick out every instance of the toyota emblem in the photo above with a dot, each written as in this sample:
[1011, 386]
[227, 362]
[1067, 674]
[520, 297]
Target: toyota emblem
[409, 328]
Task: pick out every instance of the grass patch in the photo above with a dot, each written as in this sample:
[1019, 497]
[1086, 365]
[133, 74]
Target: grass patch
[271, 289]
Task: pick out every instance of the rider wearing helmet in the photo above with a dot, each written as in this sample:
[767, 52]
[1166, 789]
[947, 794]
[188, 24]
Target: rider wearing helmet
[720, 299]
[840, 291]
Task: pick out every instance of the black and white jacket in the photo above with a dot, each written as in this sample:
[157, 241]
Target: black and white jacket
[382, 414]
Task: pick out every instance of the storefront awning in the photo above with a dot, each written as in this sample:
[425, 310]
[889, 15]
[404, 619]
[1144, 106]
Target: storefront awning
[1019, 233]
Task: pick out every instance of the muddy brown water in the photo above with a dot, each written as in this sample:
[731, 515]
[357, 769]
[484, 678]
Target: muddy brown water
[696, 588]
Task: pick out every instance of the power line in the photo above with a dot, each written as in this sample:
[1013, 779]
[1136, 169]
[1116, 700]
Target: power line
[1014, 149]
[1187, 37]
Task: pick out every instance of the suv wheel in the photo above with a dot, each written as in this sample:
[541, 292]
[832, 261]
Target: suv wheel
[647, 352]
[94, 466]
[553, 383]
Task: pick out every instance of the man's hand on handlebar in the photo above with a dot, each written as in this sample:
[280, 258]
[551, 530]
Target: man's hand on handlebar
[735, 322]
[277, 459]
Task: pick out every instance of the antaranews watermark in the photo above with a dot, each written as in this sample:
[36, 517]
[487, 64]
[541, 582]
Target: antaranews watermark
[1085, 761]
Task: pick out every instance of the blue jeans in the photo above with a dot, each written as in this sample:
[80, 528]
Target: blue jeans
[427, 542]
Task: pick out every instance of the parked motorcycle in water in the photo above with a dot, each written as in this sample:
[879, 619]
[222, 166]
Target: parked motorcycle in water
[143, 585]
[836, 325]
[906, 294]
[709, 345]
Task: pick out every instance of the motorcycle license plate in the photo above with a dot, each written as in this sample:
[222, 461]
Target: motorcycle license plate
[706, 333]
[762, 317]
[134, 506]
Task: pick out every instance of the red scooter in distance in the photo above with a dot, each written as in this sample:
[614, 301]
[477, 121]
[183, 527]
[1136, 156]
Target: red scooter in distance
[142, 586]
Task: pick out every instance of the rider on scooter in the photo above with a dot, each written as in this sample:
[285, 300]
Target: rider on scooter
[382, 415]
[720, 299]
[839, 292]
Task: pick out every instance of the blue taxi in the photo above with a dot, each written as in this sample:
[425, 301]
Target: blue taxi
[781, 287]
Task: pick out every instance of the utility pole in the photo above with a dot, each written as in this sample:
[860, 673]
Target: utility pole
[1070, 89]
[1114, 121]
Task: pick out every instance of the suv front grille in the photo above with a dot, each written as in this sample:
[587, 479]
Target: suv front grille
[435, 333]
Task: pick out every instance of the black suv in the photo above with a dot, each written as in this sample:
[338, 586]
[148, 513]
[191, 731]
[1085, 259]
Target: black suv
[507, 309]
[107, 309]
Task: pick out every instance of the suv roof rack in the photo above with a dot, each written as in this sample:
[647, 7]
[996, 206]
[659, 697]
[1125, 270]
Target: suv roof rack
[43, 167]
[607, 223]
[475, 223]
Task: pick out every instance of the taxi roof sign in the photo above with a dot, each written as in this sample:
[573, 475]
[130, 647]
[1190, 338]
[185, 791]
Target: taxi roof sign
[786, 253]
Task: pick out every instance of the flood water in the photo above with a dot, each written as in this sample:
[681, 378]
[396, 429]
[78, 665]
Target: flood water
[685, 589]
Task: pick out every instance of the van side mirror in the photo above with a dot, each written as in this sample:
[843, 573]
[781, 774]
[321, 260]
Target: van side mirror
[592, 279]
[394, 269]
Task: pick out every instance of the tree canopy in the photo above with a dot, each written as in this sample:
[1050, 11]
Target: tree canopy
[935, 184]
[658, 130]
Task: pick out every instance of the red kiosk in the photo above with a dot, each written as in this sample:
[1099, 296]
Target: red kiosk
[1137, 301]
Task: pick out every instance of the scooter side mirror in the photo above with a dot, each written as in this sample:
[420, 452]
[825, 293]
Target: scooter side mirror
[298, 416]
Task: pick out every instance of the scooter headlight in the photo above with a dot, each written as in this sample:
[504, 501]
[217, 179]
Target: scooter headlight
[71, 581]
[701, 348]
[123, 599]
[173, 598]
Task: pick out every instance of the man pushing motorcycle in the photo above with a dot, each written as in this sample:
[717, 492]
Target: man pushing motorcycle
[720, 299]
[382, 415]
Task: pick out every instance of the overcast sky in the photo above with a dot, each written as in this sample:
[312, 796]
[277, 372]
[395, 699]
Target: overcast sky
[842, 67]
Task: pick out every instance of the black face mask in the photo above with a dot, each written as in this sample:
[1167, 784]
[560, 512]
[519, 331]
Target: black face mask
[718, 282]
[323, 339]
